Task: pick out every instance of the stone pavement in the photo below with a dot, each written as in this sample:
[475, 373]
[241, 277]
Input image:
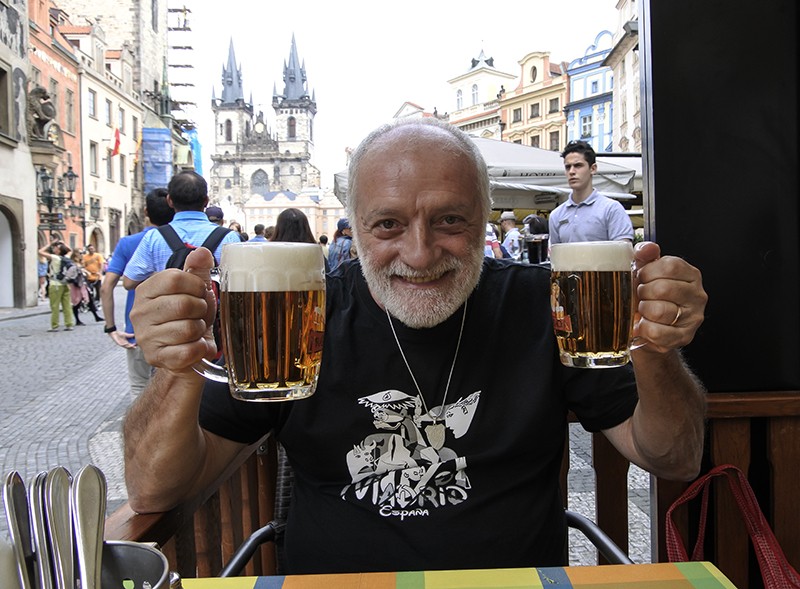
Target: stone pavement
[64, 396]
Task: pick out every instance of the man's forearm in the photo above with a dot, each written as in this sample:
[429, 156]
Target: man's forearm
[107, 297]
[668, 424]
[165, 449]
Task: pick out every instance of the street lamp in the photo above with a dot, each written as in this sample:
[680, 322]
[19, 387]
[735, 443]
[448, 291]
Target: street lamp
[45, 194]
[71, 183]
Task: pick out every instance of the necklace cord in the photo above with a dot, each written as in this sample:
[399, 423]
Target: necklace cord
[452, 366]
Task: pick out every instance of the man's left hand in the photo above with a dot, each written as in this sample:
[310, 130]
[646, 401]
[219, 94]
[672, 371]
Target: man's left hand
[670, 299]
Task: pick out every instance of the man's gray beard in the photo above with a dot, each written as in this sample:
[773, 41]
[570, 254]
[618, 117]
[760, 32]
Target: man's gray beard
[423, 308]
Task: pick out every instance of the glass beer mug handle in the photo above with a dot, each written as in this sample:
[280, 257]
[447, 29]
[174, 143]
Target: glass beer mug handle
[211, 371]
[637, 342]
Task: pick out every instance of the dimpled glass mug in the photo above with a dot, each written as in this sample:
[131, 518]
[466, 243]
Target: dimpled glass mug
[272, 312]
[592, 300]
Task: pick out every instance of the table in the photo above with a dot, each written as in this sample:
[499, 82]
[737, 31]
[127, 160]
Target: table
[684, 575]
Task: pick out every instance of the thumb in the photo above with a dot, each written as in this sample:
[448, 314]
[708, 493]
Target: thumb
[200, 262]
[646, 252]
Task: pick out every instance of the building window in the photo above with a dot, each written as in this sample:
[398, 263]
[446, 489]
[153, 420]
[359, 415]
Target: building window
[516, 116]
[517, 141]
[459, 100]
[586, 126]
[553, 105]
[135, 128]
[535, 111]
[69, 110]
[534, 71]
[109, 166]
[121, 120]
[6, 104]
[93, 158]
[36, 76]
[594, 87]
[474, 94]
[109, 118]
[54, 98]
[123, 172]
[228, 131]
[554, 141]
[154, 14]
[291, 128]
[535, 141]
[91, 107]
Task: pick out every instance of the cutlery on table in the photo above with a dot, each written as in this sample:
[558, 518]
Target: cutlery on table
[88, 501]
[15, 500]
[59, 526]
[41, 546]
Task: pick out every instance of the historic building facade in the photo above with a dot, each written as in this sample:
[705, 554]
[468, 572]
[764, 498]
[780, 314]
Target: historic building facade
[531, 114]
[476, 95]
[261, 165]
[589, 112]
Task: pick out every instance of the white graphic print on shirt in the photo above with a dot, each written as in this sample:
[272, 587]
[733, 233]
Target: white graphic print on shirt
[406, 469]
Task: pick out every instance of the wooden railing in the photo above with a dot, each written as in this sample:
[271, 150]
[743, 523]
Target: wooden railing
[758, 432]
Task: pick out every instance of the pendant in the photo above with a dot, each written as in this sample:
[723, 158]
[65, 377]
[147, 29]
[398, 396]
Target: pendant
[435, 434]
[436, 412]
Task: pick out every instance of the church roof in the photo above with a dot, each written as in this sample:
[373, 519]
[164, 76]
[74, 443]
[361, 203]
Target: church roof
[232, 80]
[276, 193]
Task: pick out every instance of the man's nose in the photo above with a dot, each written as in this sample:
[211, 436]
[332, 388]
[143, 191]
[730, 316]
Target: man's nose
[419, 247]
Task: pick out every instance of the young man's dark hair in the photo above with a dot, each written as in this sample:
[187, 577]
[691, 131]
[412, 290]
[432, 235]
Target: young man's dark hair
[157, 208]
[323, 239]
[259, 229]
[188, 191]
[581, 147]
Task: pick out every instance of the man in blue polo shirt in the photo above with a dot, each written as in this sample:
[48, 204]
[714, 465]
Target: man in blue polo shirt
[158, 212]
[586, 215]
[187, 193]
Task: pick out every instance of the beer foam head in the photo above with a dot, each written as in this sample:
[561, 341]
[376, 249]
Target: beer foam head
[272, 267]
[597, 256]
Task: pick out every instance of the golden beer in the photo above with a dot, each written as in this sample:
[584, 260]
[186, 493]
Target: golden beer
[272, 342]
[272, 316]
[591, 298]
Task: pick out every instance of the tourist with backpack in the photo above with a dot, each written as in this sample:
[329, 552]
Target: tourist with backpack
[187, 194]
[58, 291]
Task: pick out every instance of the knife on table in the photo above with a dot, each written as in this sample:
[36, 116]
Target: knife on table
[15, 501]
[41, 547]
[88, 500]
[59, 526]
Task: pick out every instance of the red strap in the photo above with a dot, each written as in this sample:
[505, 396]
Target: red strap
[776, 571]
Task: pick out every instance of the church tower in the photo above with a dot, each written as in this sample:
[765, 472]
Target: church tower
[249, 160]
[294, 111]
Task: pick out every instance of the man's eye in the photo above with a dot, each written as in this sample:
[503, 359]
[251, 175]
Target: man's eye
[450, 220]
[387, 224]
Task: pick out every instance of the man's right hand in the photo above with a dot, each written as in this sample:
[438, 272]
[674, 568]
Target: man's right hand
[121, 339]
[173, 315]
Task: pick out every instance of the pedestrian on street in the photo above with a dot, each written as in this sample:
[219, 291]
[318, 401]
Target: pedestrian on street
[58, 292]
[157, 212]
[79, 295]
[94, 263]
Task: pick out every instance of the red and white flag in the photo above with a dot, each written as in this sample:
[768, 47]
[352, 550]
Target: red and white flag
[115, 141]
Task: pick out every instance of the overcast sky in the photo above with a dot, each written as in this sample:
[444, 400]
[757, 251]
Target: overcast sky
[364, 59]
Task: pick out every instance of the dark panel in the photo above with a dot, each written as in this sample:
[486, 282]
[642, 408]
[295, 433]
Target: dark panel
[719, 116]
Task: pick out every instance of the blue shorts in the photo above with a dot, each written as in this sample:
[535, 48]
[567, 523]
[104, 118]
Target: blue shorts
[42, 269]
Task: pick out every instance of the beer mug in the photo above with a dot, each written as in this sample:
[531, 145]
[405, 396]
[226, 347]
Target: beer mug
[272, 320]
[592, 300]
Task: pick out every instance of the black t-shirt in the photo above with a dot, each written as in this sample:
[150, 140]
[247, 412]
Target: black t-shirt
[376, 488]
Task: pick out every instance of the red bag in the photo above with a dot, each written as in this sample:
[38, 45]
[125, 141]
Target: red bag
[776, 571]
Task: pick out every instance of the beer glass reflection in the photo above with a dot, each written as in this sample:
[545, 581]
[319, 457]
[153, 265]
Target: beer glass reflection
[591, 296]
[272, 315]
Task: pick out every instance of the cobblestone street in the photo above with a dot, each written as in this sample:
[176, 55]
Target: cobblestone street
[65, 394]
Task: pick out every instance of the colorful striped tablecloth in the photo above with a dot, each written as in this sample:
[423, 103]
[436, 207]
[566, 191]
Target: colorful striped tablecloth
[685, 575]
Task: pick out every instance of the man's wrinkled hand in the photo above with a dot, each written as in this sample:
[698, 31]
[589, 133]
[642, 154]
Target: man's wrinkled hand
[173, 314]
[671, 299]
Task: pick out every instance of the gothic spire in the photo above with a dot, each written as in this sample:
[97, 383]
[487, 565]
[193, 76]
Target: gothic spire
[294, 76]
[231, 80]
